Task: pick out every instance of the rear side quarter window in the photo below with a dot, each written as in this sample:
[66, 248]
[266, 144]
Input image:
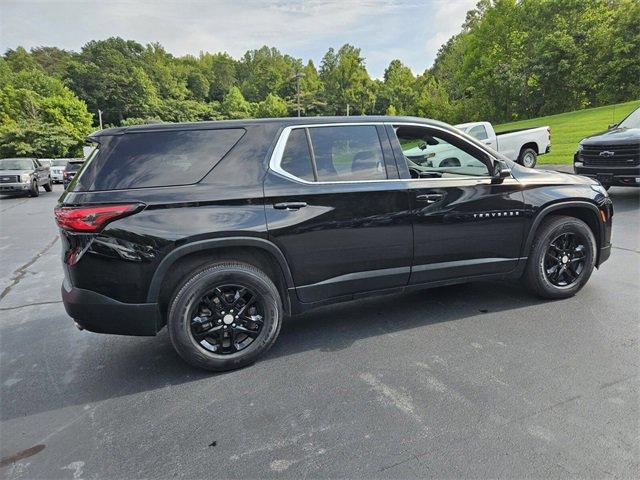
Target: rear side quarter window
[157, 159]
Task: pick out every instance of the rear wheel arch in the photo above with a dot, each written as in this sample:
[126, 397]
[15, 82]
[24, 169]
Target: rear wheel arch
[181, 262]
[585, 211]
[532, 145]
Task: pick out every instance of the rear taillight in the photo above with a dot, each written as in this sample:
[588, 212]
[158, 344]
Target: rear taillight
[92, 218]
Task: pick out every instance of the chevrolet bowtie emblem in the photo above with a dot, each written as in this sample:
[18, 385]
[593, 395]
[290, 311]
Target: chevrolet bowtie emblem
[607, 153]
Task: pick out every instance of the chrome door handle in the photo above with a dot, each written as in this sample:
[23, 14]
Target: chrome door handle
[290, 205]
[430, 197]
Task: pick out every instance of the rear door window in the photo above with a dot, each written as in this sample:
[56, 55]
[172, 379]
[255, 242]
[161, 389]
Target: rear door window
[157, 159]
[296, 158]
[348, 153]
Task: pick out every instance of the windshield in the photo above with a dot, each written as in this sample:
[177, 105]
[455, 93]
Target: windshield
[73, 167]
[58, 163]
[16, 164]
[632, 121]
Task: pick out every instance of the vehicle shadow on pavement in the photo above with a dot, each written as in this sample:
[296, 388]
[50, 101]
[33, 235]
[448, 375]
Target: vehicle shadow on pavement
[97, 368]
[338, 327]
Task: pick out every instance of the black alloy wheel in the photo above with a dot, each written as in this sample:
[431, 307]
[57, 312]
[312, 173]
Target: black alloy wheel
[562, 257]
[565, 259]
[225, 315]
[227, 319]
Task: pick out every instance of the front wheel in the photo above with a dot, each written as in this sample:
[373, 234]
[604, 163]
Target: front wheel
[562, 258]
[33, 190]
[225, 316]
[528, 157]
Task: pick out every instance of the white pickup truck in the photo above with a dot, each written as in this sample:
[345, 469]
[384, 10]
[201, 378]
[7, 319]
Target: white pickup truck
[522, 145]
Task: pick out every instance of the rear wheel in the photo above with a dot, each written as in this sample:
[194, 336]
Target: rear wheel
[48, 186]
[528, 157]
[562, 258]
[225, 316]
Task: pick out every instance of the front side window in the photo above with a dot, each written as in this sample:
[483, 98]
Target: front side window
[479, 132]
[347, 153]
[432, 154]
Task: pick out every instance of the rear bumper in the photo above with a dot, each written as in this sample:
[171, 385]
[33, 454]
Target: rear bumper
[14, 187]
[618, 176]
[101, 314]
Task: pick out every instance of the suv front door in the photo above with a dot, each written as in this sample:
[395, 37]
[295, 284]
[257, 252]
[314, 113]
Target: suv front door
[463, 224]
[338, 211]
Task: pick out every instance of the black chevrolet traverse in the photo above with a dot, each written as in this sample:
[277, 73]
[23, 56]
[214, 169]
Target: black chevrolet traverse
[220, 229]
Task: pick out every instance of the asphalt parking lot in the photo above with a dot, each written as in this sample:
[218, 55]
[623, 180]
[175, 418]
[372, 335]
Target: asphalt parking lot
[474, 381]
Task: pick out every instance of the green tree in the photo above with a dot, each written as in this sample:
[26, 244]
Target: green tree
[399, 88]
[234, 105]
[108, 76]
[272, 107]
[198, 85]
[40, 117]
[345, 79]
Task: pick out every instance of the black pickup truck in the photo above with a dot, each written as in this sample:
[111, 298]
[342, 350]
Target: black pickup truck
[612, 157]
[219, 229]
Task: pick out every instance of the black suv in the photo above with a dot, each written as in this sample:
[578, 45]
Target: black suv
[220, 229]
[612, 157]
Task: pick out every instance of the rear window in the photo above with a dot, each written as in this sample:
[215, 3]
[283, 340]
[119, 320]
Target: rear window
[157, 159]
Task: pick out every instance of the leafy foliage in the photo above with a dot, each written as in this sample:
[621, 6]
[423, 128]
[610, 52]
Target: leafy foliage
[39, 116]
[512, 60]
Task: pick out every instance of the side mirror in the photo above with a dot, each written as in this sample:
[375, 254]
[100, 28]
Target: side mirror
[500, 173]
[612, 126]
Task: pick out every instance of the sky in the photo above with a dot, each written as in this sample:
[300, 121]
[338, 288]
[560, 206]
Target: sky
[411, 30]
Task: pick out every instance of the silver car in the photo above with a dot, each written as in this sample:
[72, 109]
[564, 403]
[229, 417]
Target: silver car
[24, 175]
[57, 169]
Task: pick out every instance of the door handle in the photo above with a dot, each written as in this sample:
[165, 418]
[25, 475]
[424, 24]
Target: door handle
[290, 205]
[430, 197]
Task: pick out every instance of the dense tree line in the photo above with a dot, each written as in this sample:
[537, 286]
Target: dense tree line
[512, 60]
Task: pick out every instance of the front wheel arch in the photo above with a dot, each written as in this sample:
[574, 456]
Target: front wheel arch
[585, 211]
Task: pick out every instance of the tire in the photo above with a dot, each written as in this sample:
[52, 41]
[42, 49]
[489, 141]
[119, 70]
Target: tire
[187, 300]
[552, 230]
[528, 158]
[48, 186]
[33, 191]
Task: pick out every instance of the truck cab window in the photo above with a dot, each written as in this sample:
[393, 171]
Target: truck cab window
[479, 132]
[434, 154]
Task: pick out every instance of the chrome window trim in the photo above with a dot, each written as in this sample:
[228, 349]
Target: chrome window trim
[278, 151]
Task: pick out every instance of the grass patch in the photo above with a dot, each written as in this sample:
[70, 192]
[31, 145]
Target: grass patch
[567, 129]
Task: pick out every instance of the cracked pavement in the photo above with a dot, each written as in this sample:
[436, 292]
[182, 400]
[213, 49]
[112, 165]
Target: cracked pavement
[473, 381]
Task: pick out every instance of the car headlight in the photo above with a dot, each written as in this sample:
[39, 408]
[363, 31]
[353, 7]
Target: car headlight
[580, 147]
[25, 177]
[596, 187]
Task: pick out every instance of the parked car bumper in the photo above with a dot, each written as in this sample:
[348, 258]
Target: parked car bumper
[56, 177]
[607, 175]
[14, 187]
[101, 314]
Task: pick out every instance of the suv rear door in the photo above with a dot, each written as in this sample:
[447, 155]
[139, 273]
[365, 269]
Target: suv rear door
[337, 209]
[463, 224]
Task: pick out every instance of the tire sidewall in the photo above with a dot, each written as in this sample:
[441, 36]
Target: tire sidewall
[568, 226]
[179, 323]
[525, 153]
